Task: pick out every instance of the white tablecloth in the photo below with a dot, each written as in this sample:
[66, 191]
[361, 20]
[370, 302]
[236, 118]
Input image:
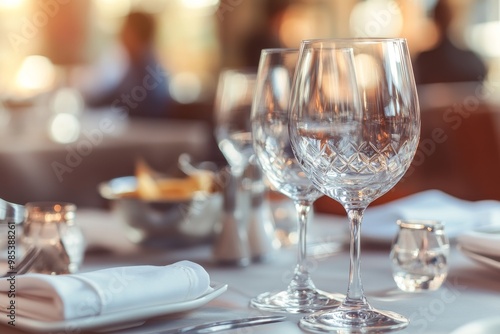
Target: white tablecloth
[470, 292]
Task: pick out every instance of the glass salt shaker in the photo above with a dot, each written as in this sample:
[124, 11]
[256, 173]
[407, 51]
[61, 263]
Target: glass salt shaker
[50, 227]
[419, 255]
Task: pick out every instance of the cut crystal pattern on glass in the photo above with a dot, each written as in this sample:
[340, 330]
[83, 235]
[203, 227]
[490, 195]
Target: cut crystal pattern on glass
[354, 127]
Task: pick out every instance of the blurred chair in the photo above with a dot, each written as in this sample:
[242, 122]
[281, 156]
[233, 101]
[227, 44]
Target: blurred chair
[459, 150]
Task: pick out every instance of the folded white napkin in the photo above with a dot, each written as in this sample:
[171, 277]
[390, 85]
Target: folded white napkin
[458, 215]
[64, 297]
[485, 241]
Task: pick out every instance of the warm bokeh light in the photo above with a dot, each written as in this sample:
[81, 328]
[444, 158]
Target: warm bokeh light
[299, 22]
[113, 8]
[481, 36]
[280, 83]
[67, 100]
[376, 18]
[36, 74]
[200, 4]
[185, 87]
[367, 70]
[11, 4]
[196, 38]
[64, 128]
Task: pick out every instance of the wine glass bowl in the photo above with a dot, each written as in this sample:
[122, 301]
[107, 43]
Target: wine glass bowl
[233, 103]
[354, 127]
[272, 147]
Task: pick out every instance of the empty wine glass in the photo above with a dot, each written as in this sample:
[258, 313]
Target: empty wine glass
[272, 148]
[354, 127]
[233, 105]
[246, 203]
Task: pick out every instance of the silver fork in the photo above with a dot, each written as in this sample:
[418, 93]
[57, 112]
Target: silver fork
[217, 326]
[26, 263]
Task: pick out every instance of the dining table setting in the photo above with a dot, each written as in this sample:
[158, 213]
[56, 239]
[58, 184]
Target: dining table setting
[469, 294]
[242, 248]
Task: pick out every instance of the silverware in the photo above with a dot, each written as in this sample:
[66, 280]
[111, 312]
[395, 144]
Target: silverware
[226, 325]
[26, 263]
[11, 212]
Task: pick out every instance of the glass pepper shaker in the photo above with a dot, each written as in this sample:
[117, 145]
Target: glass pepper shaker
[50, 227]
[419, 255]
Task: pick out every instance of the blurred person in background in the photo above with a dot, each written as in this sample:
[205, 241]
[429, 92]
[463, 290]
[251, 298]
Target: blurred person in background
[140, 86]
[446, 62]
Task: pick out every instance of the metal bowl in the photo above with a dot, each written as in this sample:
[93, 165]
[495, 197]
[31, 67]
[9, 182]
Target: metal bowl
[163, 224]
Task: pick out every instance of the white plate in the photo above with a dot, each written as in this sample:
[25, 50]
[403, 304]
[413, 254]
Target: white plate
[482, 326]
[480, 258]
[117, 320]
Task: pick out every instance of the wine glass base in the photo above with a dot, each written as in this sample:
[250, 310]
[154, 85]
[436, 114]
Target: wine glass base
[305, 301]
[343, 320]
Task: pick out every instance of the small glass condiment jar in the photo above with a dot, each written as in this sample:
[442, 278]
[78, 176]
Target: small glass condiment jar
[50, 227]
[419, 255]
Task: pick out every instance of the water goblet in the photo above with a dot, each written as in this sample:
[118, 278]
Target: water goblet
[272, 148]
[354, 127]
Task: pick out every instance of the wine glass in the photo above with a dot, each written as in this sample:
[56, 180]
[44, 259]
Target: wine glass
[233, 105]
[245, 203]
[272, 148]
[354, 127]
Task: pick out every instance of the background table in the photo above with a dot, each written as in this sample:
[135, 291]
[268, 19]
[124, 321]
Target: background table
[35, 168]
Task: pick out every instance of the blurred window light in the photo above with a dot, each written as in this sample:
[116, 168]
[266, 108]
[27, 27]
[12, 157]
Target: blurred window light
[113, 8]
[480, 37]
[64, 128]
[185, 87]
[368, 72]
[11, 4]
[200, 4]
[376, 18]
[36, 74]
[67, 100]
[280, 79]
[236, 87]
[484, 28]
[298, 23]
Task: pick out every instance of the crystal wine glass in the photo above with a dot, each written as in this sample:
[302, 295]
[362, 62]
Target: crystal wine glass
[354, 127]
[272, 148]
[233, 105]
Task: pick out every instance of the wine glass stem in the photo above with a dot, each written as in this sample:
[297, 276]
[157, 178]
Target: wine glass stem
[301, 279]
[355, 295]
